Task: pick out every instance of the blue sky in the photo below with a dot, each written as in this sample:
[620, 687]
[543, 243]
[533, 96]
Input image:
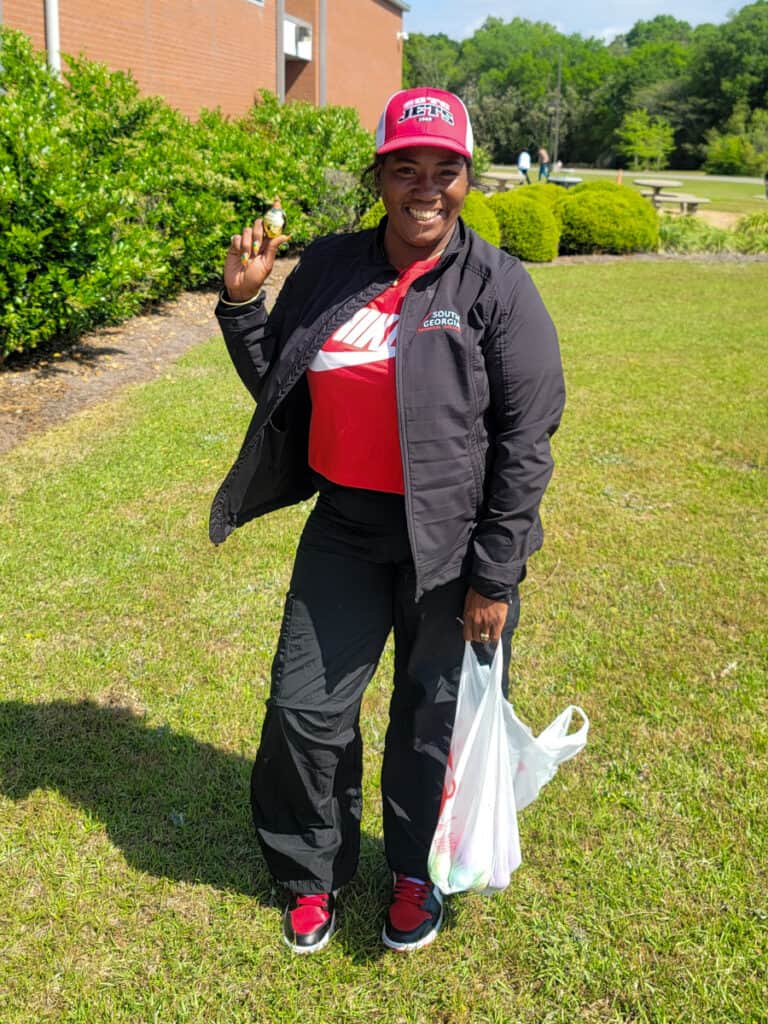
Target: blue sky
[460, 18]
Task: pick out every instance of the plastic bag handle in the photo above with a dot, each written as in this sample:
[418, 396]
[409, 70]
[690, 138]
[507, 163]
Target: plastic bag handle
[563, 744]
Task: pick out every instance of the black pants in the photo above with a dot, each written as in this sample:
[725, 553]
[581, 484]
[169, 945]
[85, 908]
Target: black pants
[353, 581]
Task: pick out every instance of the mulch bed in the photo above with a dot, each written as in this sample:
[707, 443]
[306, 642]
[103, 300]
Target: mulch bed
[42, 388]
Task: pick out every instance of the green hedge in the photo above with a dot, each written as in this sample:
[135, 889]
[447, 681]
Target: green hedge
[479, 216]
[607, 220]
[372, 216]
[110, 200]
[528, 227]
[598, 186]
[549, 195]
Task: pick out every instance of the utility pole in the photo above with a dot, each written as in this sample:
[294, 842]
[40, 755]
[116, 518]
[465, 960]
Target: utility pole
[53, 45]
[557, 107]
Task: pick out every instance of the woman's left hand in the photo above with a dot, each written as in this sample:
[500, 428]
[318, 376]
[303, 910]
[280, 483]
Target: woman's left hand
[483, 618]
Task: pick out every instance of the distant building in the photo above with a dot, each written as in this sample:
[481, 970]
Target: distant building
[219, 53]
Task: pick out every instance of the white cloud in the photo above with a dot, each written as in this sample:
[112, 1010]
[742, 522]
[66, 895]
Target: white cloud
[472, 27]
[609, 34]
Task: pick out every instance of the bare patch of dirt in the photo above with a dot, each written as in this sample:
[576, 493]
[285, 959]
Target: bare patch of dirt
[40, 389]
[719, 218]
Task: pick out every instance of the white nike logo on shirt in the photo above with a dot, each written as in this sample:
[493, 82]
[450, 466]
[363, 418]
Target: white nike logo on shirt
[368, 337]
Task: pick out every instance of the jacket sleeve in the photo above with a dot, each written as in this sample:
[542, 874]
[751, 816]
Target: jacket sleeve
[253, 338]
[527, 395]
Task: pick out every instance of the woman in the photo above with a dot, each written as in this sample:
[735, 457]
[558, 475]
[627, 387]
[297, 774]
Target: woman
[411, 376]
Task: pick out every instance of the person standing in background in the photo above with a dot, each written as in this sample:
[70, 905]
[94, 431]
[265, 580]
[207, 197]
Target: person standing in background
[543, 164]
[524, 165]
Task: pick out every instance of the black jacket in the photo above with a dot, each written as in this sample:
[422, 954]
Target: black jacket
[479, 391]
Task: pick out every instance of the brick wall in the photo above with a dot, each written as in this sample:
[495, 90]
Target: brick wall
[364, 56]
[302, 79]
[208, 53]
[26, 17]
[194, 53]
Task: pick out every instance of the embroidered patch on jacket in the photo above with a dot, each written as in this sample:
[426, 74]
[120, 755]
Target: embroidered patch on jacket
[447, 319]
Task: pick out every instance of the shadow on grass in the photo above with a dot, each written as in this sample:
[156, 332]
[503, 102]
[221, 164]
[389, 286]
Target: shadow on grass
[176, 807]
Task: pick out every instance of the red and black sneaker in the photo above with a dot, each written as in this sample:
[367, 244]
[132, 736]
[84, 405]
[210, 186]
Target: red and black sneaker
[309, 921]
[414, 916]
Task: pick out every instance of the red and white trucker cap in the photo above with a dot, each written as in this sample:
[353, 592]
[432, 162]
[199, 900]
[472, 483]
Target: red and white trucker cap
[424, 117]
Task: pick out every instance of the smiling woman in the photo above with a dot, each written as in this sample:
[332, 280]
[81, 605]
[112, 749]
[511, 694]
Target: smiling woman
[409, 374]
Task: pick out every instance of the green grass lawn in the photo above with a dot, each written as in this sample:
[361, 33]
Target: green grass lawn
[727, 196]
[134, 660]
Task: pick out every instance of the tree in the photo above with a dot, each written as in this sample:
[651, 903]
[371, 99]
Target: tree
[692, 79]
[743, 147]
[646, 140]
[661, 29]
[730, 64]
[429, 60]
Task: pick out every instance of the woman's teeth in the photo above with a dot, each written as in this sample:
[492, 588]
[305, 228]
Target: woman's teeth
[423, 215]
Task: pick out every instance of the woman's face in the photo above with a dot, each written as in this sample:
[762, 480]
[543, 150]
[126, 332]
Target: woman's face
[423, 189]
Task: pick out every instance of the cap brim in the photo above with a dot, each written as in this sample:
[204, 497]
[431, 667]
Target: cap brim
[424, 140]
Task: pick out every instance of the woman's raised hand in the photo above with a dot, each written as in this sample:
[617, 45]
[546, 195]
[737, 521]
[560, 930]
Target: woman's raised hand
[249, 262]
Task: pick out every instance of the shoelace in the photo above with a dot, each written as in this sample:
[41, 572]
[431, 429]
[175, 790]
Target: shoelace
[313, 899]
[409, 891]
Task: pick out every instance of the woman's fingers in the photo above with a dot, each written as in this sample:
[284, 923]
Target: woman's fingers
[246, 245]
[250, 259]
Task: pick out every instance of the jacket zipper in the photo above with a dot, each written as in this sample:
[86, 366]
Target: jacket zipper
[407, 490]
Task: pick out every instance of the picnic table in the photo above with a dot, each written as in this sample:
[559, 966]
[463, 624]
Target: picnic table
[687, 203]
[657, 185]
[499, 181]
[563, 181]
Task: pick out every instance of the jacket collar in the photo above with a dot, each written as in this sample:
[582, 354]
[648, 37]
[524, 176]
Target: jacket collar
[457, 243]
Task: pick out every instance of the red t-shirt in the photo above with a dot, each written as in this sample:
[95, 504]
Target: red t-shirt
[353, 435]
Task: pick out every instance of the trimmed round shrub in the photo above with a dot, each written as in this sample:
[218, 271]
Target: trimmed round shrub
[548, 195]
[528, 228]
[601, 185]
[604, 220]
[372, 216]
[479, 216]
[751, 233]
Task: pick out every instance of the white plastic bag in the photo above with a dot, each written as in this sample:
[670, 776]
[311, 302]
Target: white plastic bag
[496, 766]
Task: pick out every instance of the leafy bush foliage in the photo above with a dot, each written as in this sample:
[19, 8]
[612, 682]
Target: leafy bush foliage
[479, 216]
[549, 195]
[742, 148]
[751, 234]
[599, 185]
[528, 228]
[691, 235]
[372, 216]
[604, 220]
[481, 159]
[731, 154]
[110, 200]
